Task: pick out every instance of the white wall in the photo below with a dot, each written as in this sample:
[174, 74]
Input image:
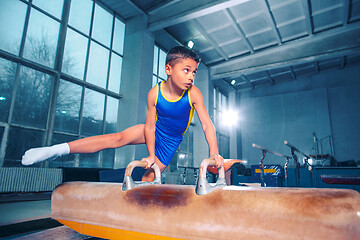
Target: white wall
[344, 109]
[235, 129]
[327, 104]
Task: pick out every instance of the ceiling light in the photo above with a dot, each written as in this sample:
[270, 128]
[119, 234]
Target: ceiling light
[233, 82]
[190, 44]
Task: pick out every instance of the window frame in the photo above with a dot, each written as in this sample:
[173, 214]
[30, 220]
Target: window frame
[56, 75]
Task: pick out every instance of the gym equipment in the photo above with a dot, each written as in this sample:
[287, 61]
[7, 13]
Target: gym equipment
[163, 211]
[264, 151]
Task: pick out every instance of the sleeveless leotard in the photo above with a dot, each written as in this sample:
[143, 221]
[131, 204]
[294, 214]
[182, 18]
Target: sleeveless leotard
[172, 120]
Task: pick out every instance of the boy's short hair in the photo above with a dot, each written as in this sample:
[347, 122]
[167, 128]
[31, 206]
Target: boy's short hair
[180, 52]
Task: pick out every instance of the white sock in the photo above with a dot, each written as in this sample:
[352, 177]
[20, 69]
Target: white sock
[40, 154]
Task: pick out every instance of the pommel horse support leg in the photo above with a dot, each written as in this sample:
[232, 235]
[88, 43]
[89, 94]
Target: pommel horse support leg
[162, 211]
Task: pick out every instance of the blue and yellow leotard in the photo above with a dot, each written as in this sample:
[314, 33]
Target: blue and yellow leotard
[172, 120]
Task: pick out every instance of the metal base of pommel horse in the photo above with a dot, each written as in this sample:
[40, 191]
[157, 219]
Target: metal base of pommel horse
[163, 211]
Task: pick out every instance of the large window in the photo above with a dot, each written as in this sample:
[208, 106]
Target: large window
[7, 76]
[222, 133]
[13, 14]
[220, 106]
[41, 38]
[60, 75]
[67, 115]
[159, 66]
[32, 98]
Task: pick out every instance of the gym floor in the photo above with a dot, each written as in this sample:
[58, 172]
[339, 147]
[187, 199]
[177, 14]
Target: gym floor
[28, 216]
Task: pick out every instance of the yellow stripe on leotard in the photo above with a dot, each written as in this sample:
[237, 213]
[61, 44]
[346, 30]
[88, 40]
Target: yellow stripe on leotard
[157, 93]
[156, 98]
[161, 90]
[191, 111]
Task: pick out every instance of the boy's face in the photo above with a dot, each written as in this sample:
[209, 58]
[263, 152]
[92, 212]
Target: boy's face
[182, 73]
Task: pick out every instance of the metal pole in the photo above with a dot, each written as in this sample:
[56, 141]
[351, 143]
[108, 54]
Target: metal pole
[262, 168]
[286, 172]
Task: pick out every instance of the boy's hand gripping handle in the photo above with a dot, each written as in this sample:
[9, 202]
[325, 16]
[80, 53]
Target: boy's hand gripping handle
[129, 183]
[203, 186]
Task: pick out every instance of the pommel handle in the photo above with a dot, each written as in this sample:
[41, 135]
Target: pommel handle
[129, 183]
[203, 186]
[209, 162]
[130, 167]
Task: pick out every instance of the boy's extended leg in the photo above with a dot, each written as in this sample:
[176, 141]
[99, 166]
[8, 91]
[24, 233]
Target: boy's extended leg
[130, 136]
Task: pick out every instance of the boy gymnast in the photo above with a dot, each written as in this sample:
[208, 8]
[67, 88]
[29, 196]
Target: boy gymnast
[170, 108]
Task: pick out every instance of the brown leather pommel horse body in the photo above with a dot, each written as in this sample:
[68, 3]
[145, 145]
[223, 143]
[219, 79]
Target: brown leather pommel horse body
[161, 211]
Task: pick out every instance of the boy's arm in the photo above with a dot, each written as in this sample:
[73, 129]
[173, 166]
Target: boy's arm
[150, 127]
[207, 125]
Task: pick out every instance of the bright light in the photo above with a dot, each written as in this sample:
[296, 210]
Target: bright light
[181, 156]
[230, 118]
[63, 112]
[2, 98]
[233, 82]
[310, 161]
[190, 44]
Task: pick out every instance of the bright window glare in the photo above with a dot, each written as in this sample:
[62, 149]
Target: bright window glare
[230, 118]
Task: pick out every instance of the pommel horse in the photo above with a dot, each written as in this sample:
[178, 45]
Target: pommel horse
[163, 211]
